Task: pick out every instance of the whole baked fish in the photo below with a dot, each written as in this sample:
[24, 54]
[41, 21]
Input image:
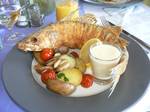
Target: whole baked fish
[70, 34]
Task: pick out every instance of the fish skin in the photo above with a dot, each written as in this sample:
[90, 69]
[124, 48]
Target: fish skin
[70, 34]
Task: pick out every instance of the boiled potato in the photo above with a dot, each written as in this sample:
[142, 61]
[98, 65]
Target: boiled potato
[80, 65]
[60, 87]
[73, 75]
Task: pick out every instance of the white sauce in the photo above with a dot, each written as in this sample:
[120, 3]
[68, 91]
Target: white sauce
[103, 58]
[105, 52]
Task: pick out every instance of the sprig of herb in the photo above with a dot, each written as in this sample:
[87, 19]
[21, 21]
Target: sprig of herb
[66, 79]
[62, 76]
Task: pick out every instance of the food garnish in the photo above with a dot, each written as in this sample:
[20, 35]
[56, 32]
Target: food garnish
[61, 76]
[84, 52]
[47, 54]
[87, 80]
[48, 74]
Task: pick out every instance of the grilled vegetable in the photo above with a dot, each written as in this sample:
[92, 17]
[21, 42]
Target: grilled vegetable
[38, 58]
[60, 87]
[87, 80]
[48, 74]
[46, 54]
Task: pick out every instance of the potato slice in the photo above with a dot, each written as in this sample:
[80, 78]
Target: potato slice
[73, 75]
[60, 87]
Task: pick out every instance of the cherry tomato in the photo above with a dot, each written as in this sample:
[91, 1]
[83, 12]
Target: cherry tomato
[87, 80]
[75, 54]
[48, 74]
[47, 54]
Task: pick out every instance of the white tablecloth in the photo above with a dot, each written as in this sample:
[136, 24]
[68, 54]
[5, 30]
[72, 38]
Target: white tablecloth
[135, 19]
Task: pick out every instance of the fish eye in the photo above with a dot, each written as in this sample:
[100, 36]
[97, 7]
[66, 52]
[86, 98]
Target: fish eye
[34, 39]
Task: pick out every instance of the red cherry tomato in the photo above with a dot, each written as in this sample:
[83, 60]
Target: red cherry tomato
[47, 54]
[75, 54]
[87, 80]
[48, 74]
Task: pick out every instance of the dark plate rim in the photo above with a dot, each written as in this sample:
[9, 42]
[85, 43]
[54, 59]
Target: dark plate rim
[20, 106]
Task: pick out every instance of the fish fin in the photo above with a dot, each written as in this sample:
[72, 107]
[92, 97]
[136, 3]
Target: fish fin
[116, 30]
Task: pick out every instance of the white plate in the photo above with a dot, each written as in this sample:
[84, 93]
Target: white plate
[80, 91]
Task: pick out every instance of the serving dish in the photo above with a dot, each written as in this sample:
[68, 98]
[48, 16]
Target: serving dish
[24, 90]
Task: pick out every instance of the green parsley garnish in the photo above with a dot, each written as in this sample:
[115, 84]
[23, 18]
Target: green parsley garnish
[66, 79]
[62, 76]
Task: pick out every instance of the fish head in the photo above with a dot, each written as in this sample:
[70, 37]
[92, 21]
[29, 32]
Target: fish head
[34, 42]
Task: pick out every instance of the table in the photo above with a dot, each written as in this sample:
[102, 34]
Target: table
[7, 105]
